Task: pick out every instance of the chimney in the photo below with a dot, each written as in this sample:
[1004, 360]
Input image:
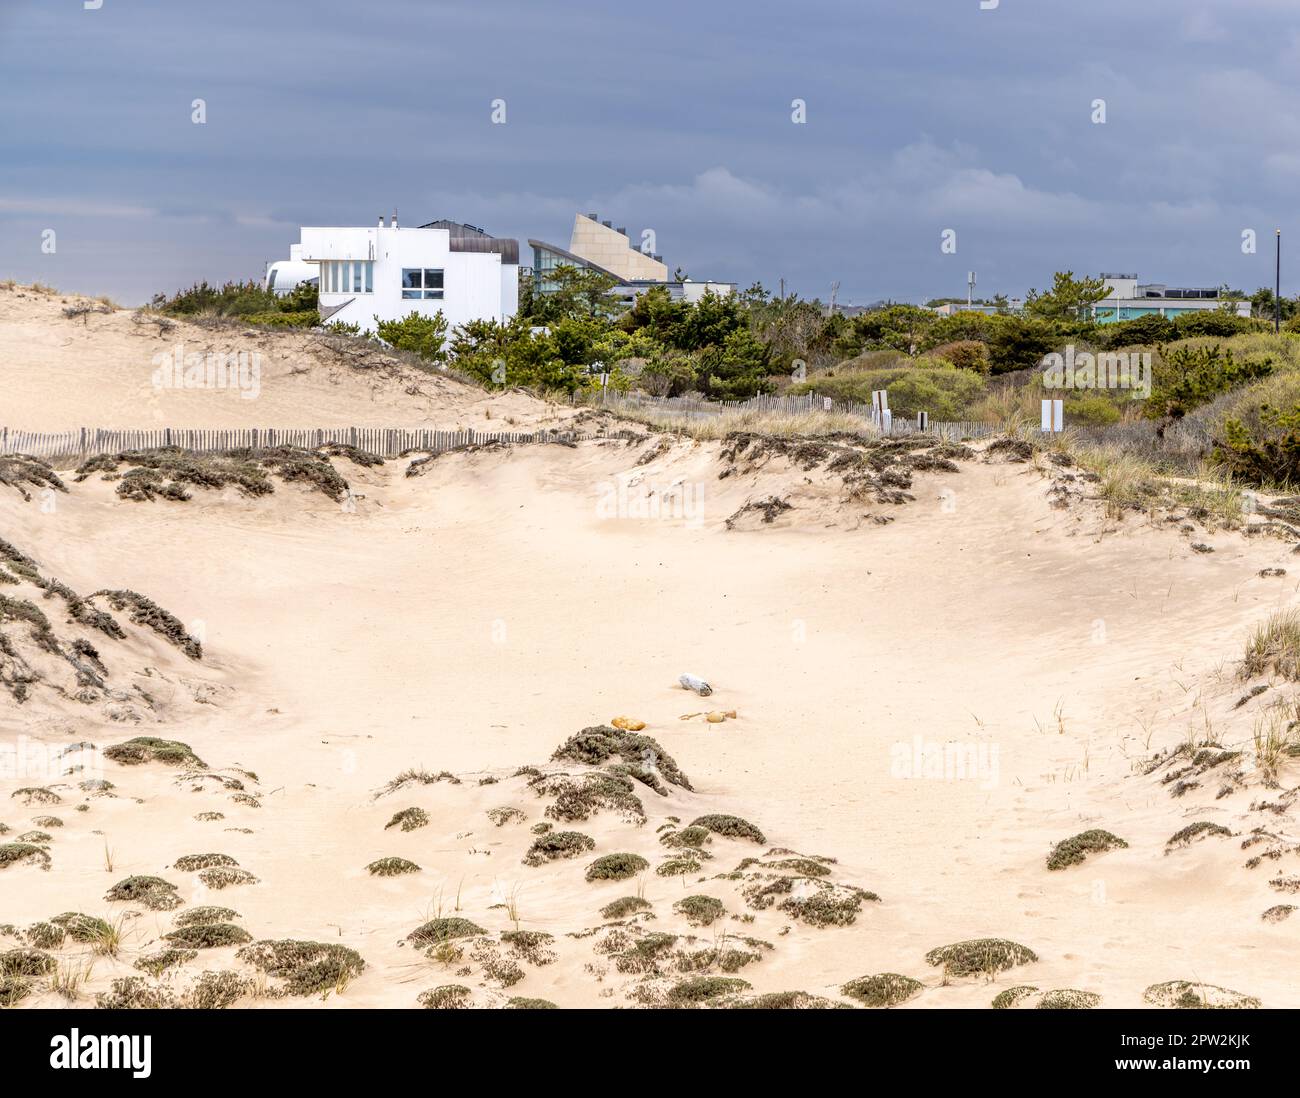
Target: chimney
[381, 221]
[394, 225]
[623, 231]
[607, 224]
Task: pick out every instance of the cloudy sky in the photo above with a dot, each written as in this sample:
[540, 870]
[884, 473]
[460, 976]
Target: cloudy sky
[921, 116]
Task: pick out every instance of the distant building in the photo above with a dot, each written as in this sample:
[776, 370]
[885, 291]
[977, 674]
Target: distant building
[1126, 299]
[952, 308]
[389, 272]
[596, 245]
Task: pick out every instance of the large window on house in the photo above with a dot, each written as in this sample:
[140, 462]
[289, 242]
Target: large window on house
[347, 276]
[421, 282]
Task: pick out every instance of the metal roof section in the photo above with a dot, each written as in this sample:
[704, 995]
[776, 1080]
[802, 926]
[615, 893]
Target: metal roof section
[470, 238]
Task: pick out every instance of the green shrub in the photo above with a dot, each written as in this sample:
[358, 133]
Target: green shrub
[700, 910]
[425, 336]
[980, 955]
[885, 989]
[391, 867]
[733, 827]
[558, 844]
[306, 968]
[622, 908]
[208, 936]
[306, 319]
[965, 354]
[442, 930]
[616, 867]
[1074, 850]
[155, 893]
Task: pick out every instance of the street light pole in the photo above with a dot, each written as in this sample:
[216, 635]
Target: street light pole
[1277, 287]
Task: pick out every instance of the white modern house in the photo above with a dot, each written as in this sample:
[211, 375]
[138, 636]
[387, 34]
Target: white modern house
[1128, 299]
[389, 272]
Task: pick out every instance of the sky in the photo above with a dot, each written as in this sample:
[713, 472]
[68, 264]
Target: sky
[921, 116]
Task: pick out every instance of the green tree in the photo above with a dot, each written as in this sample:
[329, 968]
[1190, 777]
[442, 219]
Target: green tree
[423, 335]
[1069, 298]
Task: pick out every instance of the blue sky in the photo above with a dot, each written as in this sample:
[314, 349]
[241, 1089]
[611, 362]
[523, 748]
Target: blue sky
[922, 115]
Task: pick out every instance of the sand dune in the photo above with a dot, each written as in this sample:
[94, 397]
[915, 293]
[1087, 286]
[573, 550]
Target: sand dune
[98, 370]
[896, 609]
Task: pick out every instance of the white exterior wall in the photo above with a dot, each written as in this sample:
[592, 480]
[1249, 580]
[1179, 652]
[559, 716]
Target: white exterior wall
[476, 285]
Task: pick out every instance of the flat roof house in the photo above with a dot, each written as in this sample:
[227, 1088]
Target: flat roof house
[596, 245]
[1126, 299]
[389, 272]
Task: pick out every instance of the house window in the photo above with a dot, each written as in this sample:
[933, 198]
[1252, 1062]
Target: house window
[356, 276]
[418, 282]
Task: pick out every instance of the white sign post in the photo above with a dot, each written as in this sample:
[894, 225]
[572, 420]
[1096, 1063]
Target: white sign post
[1053, 416]
[880, 413]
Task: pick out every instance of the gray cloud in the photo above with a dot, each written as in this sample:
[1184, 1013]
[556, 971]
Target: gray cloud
[674, 116]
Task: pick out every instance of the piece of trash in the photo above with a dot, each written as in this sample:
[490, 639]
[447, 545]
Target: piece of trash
[628, 724]
[693, 682]
[715, 717]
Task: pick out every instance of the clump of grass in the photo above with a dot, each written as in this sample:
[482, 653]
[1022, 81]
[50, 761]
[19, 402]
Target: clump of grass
[700, 910]
[980, 955]
[135, 993]
[678, 867]
[1192, 832]
[622, 908]
[558, 844]
[519, 1003]
[578, 800]
[198, 916]
[532, 945]
[47, 821]
[224, 877]
[1275, 643]
[26, 963]
[217, 991]
[802, 867]
[45, 935]
[692, 837]
[598, 744]
[442, 930]
[36, 794]
[447, 997]
[1186, 995]
[192, 863]
[86, 929]
[885, 989]
[418, 776]
[155, 964]
[306, 968]
[616, 867]
[408, 819]
[785, 1000]
[1273, 740]
[144, 611]
[391, 867]
[505, 814]
[700, 989]
[17, 853]
[208, 936]
[733, 827]
[155, 893]
[1068, 998]
[144, 749]
[1074, 850]
[1013, 996]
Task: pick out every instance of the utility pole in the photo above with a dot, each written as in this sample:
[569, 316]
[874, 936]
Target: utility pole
[1277, 287]
[970, 288]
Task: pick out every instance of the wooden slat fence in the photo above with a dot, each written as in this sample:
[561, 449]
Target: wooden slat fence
[61, 447]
